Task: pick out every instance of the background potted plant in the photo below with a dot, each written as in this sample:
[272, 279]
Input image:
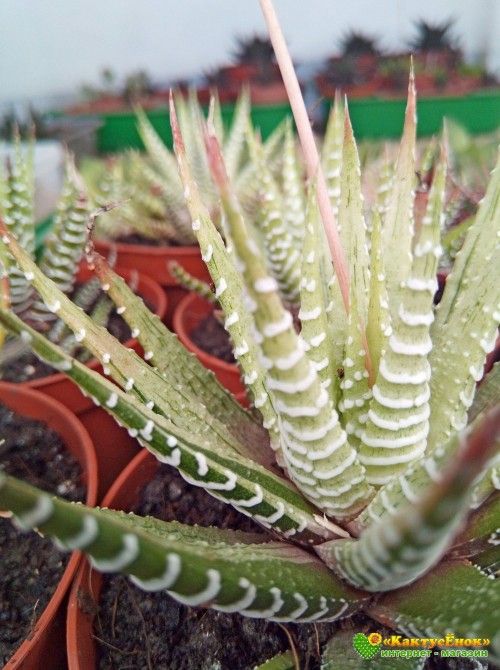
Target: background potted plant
[355, 71]
[254, 66]
[155, 209]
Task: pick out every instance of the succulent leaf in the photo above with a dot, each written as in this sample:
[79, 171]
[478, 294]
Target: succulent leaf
[228, 287]
[234, 143]
[187, 281]
[19, 216]
[250, 488]
[331, 154]
[351, 220]
[181, 368]
[294, 199]
[281, 249]
[317, 454]
[316, 331]
[398, 421]
[285, 661]
[384, 187]
[135, 375]
[397, 233]
[467, 318]
[284, 583]
[402, 548]
[378, 328]
[356, 392]
[64, 248]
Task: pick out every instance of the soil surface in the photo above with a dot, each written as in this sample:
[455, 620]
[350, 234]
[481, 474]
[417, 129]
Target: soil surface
[210, 336]
[30, 566]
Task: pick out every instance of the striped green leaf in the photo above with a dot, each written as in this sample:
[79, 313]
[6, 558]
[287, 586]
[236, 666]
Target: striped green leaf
[226, 570]
[407, 543]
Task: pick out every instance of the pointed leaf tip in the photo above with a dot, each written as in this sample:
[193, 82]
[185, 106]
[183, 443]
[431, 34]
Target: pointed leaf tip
[174, 124]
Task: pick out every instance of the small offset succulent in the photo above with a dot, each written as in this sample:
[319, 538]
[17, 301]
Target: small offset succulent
[369, 455]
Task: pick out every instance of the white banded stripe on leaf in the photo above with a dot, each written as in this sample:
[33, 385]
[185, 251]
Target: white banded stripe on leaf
[224, 273]
[195, 565]
[398, 421]
[315, 330]
[280, 246]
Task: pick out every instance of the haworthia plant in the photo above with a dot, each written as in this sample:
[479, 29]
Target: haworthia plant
[358, 455]
[148, 187]
[60, 256]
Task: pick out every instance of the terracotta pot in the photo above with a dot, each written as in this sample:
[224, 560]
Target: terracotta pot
[47, 638]
[114, 447]
[268, 94]
[189, 313]
[153, 261]
[87, 585]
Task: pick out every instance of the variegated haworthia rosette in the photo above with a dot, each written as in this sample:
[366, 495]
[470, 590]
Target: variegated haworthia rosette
[62, 251]
[365, 413]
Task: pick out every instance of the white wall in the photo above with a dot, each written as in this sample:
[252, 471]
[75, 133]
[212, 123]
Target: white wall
[51, 47]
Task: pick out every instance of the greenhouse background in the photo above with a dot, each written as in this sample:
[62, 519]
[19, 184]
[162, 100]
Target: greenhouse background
[49, 50]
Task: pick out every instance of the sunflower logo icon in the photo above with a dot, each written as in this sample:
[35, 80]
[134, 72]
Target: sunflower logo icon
[375, 639]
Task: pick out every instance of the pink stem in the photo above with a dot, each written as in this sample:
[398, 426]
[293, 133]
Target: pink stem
[311, 156]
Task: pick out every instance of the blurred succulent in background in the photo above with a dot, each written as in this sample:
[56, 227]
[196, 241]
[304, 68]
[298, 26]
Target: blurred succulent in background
[59, 257]
[148, 186]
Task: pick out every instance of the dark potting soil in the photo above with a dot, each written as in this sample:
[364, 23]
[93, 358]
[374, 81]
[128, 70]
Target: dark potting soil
[210, 336]
[140, 630]
[30, 566]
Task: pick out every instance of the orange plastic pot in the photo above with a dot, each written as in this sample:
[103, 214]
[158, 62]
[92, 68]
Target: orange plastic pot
[87, 585]
[47, 639]
[189, 313]
[154, 261]
[114, 447]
